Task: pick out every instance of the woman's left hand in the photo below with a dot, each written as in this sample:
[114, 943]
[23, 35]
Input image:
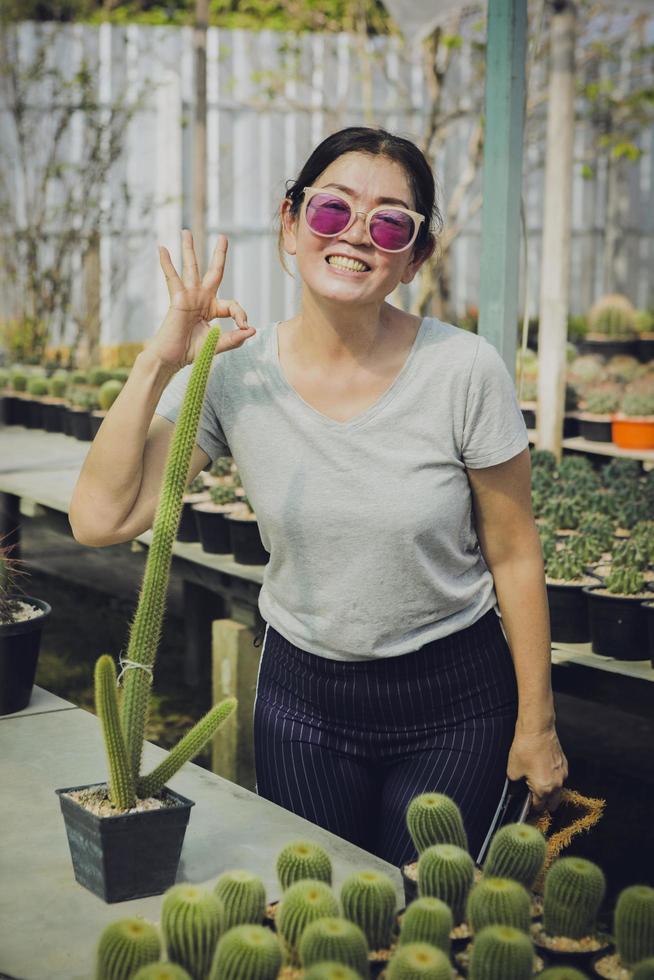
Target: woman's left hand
[539, 758]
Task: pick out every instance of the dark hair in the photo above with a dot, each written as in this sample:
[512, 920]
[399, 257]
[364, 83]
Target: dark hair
[378, 142]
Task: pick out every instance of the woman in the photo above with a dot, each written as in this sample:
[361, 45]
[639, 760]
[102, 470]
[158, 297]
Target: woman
[387, 461]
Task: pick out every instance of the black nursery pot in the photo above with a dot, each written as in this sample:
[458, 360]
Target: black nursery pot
[568, 605]
[80, 424]
[213, 530]
[617, 625]
[648, 608]
[34, 414]
[613, 347]
[131, 855]
[53, 416]
[529, 416]
[95, 421]
[187, 530]
[19, 410]
[246, 543]
[19, 654]
[596, 429]
[646, 348]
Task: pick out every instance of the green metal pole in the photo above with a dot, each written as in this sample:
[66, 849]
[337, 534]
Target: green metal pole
[502, 175]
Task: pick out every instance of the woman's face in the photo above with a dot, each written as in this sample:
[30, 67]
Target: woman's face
[368, 178]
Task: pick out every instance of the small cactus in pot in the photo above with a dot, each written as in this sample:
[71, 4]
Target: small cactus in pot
[634, 924]
[368, 899]
[334, 939]
[303, 859]
[419, 961]
[124, 946]
[446, 871]
[250, 951]
[574, 889]
[517, 851]
[191, 923]
[499, 952]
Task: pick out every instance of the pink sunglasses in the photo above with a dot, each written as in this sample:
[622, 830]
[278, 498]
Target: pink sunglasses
[390, 228]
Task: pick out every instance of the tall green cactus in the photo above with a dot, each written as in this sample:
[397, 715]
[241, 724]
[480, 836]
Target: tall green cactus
[331, 971]
[500, 952]
[427, 920]
[247, 952]
[161, 971]
[121, 781]
[574, 889]
[301, 904]
[124, 946]
[634, 924]
[191, 923]
[446, 871]
[517, 851]
[243, 895]
[498, 901]
[334, 939]
[434, 818]
[145, 629]
[303, 859]
[368, 898]
[419, 961]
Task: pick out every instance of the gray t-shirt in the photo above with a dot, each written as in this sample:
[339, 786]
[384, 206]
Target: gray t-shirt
[373, 550]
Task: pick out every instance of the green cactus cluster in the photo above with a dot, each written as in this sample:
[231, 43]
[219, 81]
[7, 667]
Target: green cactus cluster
[602, 402]
[564, 511]
[612, 316]
[368, 899]
[642, 534]
[243, 898]
[562, 973]
[427, 920]
[588, 548]
[574, 889]
[191, 923]
[566, 565]
[196, 485]
[600, 526]
[623, 368]
[625, 581]
[18, 380]
[222, 495]
[124, 947]
[250, 951]
[331, 971]
[547, 536]
[543, 459]
[58, 387]
[629, 553]
[433, 818]
[587, 368]
[108, 393]
[37, 387]
[446, 871]
[303, 859]
[633, 924]
[619, 471]
[498, 902]
[499, 952]
[334, 939]
[222, 466]
[419, 961]
[517, 851]
[638, 404]
[97, 376]
[123, 725]
[301, 904]
[161, 971]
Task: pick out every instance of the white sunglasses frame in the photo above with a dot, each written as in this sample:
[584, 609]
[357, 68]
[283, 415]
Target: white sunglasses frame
[417, 218]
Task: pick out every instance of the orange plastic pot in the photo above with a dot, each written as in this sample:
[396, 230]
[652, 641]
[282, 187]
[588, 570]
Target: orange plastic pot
[633, 432]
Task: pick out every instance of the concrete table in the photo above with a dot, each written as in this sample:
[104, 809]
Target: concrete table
[49, 925]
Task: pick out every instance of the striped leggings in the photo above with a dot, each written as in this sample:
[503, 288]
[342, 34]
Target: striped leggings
[347, 745]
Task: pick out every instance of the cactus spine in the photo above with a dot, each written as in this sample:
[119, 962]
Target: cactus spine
[121, 783]
[434, 818]
[145, 629]
[334, 939]
[302, 859]
[517, 851]
[419, 961]
[427, 920]
[368, 898]
[500, 952]
[191, 922]
[301, 904]
[247, 951]
[634, 924]
[161, 971]
[574, 889]
[331, 971]
[243, 896]
[124, 946]
[501, 902]
[446, 871]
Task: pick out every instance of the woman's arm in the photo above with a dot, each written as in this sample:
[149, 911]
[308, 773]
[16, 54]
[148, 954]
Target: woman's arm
[509, 541]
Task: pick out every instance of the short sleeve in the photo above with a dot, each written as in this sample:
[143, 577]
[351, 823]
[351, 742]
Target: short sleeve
[210, 437]
[493, 429]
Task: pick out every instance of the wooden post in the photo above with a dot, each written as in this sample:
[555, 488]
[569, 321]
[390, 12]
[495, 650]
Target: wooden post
[235, 667]
[199, 192]
[557, 204]
[502, 175]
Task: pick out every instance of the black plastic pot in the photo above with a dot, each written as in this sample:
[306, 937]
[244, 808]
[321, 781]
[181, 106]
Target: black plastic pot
[53, 416]
[646, 348]
[67, 419]
[95, 420]
[213, 530]
[568, 605]
[19, 410]
[609, 348]
[131, 855]
[570, 425]
[7, 409]
[649, 619]
[80, 424]
[246, 543]
[529, 416]
[595, 428]
[580, 961]
[34, 414]
[617, 625]
[19, 654]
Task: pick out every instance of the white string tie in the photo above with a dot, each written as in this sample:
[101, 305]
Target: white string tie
[126, 664]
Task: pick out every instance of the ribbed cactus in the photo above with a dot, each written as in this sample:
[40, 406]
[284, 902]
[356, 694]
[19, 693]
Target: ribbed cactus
[427, 920]
[625, 580]
[637, 404]
[161, 971]
[108, 393]
[303, 859]
[18, 381]
[331, 971]
[121, 782]
[37, 386]
[434, 818]
[334, 939]
[97, 376]
[247, 952]
[500, 953]
[517, 851]
[58, 387]
[573, 893]
[612, 316]
[368, 898]
[634, 924]
[562, 973]
[124, 946]
[565, 565]
[243, 896]
[300, 905]
[498, 901]
[419, 961]
[602, 402]
[146, 626]
[644, 970]
[191, 923]
[446, 871]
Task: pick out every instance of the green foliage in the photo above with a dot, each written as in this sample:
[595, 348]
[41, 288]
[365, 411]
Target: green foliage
[499, 952]
[600, 525]
[58, 387]
[629, 553]
[620, 471]
[301, 904]
[638, 403]
[561, 973]
[571, 402]
[573, 468]
[419, 961]
[97, 376]
[498, 902]
[587, 548]
[587, 368]
[517, 851]
[196, 485]
[577, 328]
[191, 923]
[124, 946]
[427, 920]
[78, 378]
[446, 871]
[161, 971]
[574, 889]
[331, 971]
[222, 466]
[18, 381]
[644, 321]
[612, 316]
[222, 495]
[564, 512]
[602, 402]
[368, 899]
[250, 951]
[25, 339]
[625, 581]
[642, 535]
[334, 939]
[108, 393]
[303, 859]
[623, 368]
[37, 387]
[243, 896]
[543, 459]
[634, 924]
[433, 818]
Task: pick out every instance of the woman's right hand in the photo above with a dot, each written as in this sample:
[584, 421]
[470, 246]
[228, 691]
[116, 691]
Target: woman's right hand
[193, 303]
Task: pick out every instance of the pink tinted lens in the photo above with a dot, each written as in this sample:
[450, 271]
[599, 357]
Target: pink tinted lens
[327, 215]
[391, 229]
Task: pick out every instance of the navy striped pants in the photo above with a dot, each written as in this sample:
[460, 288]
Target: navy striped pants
[347, 745]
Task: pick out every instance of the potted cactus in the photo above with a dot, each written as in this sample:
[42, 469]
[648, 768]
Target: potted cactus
[615, 611]
[196, 492]
[22, 619]
[633, 425]
[121, 846]
[83, 399]
[107, 394]
[596, 411]
[37, 388]
[644, 324]
[53, 406]
[244, 535]
[633, 929]
[209, 515]
[434, 820]
[566, 576]
[16, 408]
[611, 327]
[529, 401]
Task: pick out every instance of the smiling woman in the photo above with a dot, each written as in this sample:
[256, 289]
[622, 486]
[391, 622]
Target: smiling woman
[386, 459]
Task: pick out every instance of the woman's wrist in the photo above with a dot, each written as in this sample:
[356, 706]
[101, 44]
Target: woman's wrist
[157, 369]
[536, 722]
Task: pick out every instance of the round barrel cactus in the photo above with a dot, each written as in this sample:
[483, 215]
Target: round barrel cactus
[574, 889]
[446, 871]
[419, 961]
[644, 970]
[427, 920]
[301, 904]
[634, 924]
[108, 393]
[368, 898]
[331, 971]
[434, 818]
[243, 896]
[517, 851]
[247, 951]
[124, 946]
[334, 939]
[500, 952]
[562, 973]
[162, 971]
[498, 901]
[191, 923]
[303, 859]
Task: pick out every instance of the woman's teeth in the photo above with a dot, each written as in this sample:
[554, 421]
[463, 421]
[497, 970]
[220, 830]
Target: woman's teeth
[344, 263]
